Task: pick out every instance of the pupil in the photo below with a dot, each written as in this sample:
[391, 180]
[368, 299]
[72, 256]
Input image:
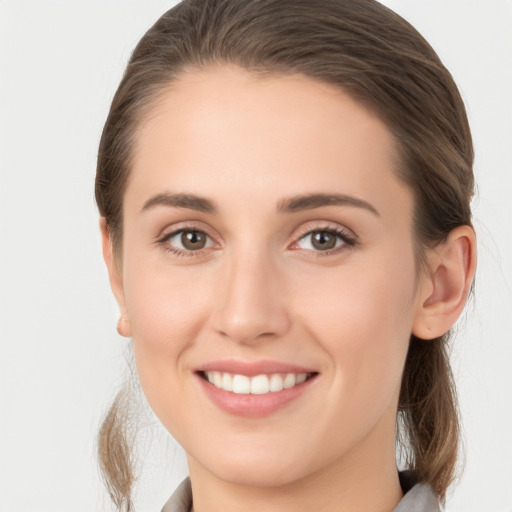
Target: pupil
[323, 240]
[193, 240]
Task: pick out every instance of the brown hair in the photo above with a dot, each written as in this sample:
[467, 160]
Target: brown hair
[381, 61]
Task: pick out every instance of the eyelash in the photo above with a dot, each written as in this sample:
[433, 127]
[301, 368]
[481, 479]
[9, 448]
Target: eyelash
[349, 240]
[164, 241]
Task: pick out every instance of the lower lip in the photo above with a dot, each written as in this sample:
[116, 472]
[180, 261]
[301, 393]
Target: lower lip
[253, 406]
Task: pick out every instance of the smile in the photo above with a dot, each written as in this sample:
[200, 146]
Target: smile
[254, 389]
[255, 385]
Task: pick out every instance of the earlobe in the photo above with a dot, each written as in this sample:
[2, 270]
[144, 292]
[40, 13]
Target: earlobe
[115, 278]
[446, 286]
[123, 327]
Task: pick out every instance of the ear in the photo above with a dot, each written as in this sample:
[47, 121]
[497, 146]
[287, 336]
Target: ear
[115, 278]
[445, 287]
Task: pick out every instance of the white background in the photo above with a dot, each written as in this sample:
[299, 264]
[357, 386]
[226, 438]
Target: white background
[60, 356]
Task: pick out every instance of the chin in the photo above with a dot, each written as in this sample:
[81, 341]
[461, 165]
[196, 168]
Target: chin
[262, 469]
[249, 476]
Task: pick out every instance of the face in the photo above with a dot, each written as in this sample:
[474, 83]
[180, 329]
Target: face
[268, 275]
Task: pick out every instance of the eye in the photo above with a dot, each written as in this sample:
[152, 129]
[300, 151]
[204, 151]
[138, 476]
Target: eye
[186, 241]
[325, 240]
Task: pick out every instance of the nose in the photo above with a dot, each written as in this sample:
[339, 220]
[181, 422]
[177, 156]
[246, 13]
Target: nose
[252, 301]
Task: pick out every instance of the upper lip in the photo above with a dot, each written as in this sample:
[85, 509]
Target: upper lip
[252, 368]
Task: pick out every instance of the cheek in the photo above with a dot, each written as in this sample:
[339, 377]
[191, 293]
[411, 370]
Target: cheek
[164, 306]
[362, 317]
[376, 296]
[166, 310]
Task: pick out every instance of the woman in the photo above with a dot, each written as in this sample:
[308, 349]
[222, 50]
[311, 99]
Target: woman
[284, 188]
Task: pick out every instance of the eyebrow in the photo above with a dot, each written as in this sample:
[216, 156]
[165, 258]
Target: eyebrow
[311, 201]
[288, 205]
[189, 201]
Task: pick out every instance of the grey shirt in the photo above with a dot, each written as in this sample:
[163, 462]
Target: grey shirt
[418, 497]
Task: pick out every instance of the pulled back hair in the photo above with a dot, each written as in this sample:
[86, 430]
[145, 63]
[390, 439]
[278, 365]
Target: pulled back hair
[381, 61]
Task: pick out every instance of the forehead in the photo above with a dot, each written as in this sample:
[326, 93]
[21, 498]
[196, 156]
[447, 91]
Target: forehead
[223, 131]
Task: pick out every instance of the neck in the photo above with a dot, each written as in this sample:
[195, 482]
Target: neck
[366, 479]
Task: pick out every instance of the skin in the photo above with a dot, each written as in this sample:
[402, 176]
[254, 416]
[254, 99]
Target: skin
[261, 290]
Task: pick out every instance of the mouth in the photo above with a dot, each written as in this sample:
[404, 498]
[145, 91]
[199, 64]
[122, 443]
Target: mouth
[261, 384]
[254, 389]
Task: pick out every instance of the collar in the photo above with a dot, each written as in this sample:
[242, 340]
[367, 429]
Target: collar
[417, 496]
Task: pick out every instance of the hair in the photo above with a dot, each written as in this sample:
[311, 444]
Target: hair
[381, 61]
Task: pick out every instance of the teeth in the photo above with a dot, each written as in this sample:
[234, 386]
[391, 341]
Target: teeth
[258, 385]
[289, 381]
[276, 382]
[217, 379]
[227, 382]
[241, 385]
[301, 377]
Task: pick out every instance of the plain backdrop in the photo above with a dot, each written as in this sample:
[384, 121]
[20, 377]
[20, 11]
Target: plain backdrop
[61, 359]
